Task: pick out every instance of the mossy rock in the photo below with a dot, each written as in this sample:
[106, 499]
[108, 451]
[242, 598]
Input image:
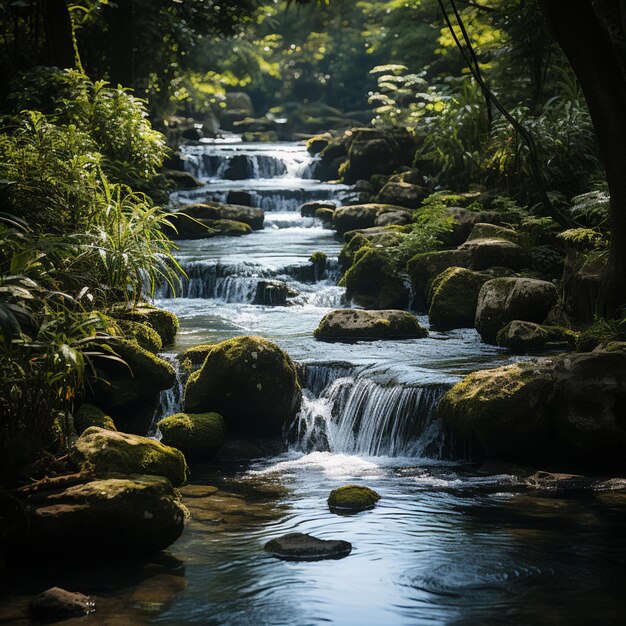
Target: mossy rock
[352, 498]
[454, 297]
[359, 216]
[486, 253]
[108, 453]
[165, 323]
[492, 231]
[502, 300]
[251, 382]
[192, 358]
[143, 334]
[89, 415]
[197, 435]
[527, 337]
[349, 325]
[181, 180]
[372, 282]
[504, 413]
[402, 194]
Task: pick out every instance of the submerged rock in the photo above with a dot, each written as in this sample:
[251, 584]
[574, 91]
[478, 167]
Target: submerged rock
[110, 517]
[197, 435]
[372, 282]
[248, 380]
[303, 547]
[105, 453]
[348, 325]
[56, 604]
[503, 300]
[352, 498]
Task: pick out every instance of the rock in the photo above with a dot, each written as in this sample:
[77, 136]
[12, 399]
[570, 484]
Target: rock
[352, 498]
[273, 293]
[205, 229]
[424, 268]
[316, 144]
[302, 547]
[486, 253]
[197, 435]
[325, 215]
[464, 221]
[502, 300]
[128, 390]
[212, 211]
[110, 517]
[239, 167]
[181, 180]
[363, 186]
[193, 357]
[394, 218]
[402, 194]
[239, 101]
[165, 323]
[308, 209]
[260, 136]
[248, 380]
[502, 413]
[319, 260]
[331, 158]
[242, 450]
[348, 325]
[379, 237]
[359, 216]
[525, 337]
[454, 297]
[89, 415]
[144, 335]
[492, 231]
[372, 283]
[107, 453]
[564, 413]
[240, 198]
[57, 604]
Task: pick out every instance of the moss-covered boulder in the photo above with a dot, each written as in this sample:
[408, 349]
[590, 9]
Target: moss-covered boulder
[502, 413]
[425, 267]
[464, 221]
[109, 517]
[352, 498]
[273, 293]
[454, 297]
[109, 453]
[212, 211]
[205, 229]
[482, 230]
[143, 334]
[197, 435]
[402, 194]
[194, 357]
[251, 382]
[325, 215]
[348, 325]
[372, 282]
[165, 323]
[527, 337]
[128, 389]
[380, 237]
[394, 218]
[181, 180]
[308, 209]
[486, 253]
[502, 300]
[317, 143]
[89, 415]
[359, 216]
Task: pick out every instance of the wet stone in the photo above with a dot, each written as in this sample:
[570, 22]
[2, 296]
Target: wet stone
[56, 604]
[303, 547]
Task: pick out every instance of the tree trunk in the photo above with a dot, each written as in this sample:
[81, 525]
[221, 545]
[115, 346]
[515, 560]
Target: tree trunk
[59, 38]
[588, 47]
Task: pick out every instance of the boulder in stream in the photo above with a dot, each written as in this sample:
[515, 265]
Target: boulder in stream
[197, 435]
[308, 209]
[106, 453]
[165, 323]
[502, 300]
[251, 382]
[273, 293]
[352, 499]
[212, 211]
[359, 216]
[349, 325]
[303, 547]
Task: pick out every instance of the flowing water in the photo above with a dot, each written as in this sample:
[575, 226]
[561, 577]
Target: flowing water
[447, 544]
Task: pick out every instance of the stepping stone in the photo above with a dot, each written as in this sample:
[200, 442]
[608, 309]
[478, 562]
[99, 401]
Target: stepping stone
[303, 547]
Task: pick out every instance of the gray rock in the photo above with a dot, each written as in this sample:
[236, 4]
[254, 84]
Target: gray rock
[57, 604]
[303, 547]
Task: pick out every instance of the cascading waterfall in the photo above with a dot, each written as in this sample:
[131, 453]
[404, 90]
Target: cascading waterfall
[170, 400]
[356, 415]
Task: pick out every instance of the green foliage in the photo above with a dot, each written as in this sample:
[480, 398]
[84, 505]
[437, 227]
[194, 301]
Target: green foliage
[602, 331]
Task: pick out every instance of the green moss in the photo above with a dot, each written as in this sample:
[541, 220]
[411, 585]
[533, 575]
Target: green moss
[143, 334]
[194, 357]
[89, 415]
[197, 436]
[163, 322]
[248, 380]
[352, 498]
[106, 453]
[600, 332]
[318, 257]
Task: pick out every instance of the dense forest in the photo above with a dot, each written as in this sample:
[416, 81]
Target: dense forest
[446, 179]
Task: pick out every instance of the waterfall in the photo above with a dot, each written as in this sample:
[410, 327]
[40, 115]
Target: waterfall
[170, 400]
[356, 415]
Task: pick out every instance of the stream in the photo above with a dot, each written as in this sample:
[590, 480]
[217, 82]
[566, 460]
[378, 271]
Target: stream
[446, 544]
